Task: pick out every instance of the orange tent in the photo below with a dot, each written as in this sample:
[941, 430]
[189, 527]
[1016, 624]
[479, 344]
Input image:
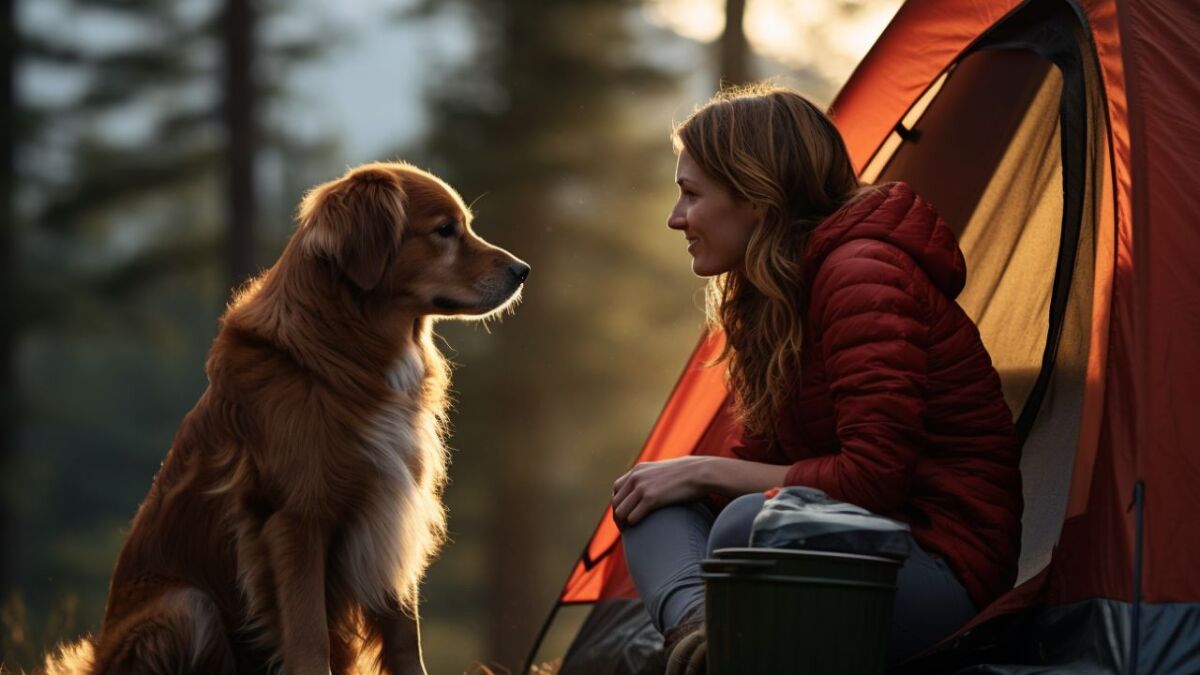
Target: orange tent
[1059, 138]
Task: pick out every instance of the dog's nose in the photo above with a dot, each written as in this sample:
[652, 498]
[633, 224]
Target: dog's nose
[519, 270]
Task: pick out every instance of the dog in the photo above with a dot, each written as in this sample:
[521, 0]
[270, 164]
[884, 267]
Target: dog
[300, 502]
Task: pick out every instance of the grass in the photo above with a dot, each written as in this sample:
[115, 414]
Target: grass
[21, 646]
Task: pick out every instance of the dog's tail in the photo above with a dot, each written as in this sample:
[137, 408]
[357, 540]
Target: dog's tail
[70, 659]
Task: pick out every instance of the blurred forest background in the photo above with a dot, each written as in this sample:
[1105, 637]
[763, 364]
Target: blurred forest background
[154, 151]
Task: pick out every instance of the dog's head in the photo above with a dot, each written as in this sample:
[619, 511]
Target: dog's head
[397, 232]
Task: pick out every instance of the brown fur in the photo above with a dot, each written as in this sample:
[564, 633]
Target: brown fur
[299, 505]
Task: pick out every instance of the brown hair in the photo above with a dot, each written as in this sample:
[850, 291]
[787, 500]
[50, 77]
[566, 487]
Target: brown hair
[772, 147]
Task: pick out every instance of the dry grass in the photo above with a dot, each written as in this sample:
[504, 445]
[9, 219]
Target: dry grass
[547, 668]
[22, 648]
[21, 645]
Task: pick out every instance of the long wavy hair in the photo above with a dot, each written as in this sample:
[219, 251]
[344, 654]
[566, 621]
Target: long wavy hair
[772, 147]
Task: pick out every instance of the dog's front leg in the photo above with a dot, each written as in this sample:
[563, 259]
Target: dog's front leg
[399, 628]
[297, 556]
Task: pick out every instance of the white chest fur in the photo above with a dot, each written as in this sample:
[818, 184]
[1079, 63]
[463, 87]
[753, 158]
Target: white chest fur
[390, 541]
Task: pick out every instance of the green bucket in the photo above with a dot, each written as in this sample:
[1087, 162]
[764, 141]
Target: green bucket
[797, 612]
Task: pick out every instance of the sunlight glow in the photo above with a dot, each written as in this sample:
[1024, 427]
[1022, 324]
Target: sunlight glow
[701, 20]
[828, 37]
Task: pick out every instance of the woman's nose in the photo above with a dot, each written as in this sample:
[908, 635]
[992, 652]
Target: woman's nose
[676, 221]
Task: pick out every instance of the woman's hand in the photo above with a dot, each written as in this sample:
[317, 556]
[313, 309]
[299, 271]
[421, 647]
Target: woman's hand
[653, 485]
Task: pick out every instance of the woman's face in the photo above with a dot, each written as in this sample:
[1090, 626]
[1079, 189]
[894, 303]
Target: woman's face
[716, 225]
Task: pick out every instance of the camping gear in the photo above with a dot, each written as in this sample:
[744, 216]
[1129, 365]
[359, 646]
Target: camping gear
[806, 518]
[1058, 138]
[766, 610]
[617, 639]
[813, 593]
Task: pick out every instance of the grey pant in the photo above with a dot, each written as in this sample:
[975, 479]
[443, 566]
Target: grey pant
[664, 552]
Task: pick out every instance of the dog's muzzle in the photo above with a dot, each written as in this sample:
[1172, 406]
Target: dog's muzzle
[520, 271]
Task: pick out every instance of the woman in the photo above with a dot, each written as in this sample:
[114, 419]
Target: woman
[852, 371]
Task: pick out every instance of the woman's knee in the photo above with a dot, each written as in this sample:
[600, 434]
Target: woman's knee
[732, 527]
[668, 526]
[663, 552]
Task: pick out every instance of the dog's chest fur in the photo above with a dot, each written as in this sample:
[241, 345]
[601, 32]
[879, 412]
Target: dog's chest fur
[389, 540]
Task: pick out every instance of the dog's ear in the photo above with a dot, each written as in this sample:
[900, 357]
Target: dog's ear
[357, 221]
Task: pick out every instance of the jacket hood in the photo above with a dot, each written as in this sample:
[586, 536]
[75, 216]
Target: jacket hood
[894, 214]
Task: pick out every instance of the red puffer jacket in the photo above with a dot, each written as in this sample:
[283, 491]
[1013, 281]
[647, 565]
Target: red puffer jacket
[900, 410]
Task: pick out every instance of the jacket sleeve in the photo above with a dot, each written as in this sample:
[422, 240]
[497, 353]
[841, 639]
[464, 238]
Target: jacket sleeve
[871, 328]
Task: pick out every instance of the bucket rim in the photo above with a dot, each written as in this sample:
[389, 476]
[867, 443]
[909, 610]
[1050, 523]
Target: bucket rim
[747, 552]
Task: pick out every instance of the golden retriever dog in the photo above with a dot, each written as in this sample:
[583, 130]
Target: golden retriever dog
[300, 502]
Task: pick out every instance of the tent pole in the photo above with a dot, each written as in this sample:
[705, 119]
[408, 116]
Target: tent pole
[537, 643]
[1135, 637]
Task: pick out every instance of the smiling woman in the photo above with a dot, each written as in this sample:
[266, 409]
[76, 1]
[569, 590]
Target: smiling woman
[852, 371]
[717, 224]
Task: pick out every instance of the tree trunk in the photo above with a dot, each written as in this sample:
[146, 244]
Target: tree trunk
[8, 277]
[734, 51]
[515, 545]
[239, 108]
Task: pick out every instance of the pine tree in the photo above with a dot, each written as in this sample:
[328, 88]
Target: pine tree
[564, 134]
[239, 22]
[8, 255]
[735, 59]
[115, 259]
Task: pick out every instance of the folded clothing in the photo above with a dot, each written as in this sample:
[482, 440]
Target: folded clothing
[806, 518]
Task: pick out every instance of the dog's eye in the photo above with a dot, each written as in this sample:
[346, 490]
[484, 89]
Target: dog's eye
[447, 229]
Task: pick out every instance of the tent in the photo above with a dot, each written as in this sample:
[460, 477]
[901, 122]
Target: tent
[1060, 139]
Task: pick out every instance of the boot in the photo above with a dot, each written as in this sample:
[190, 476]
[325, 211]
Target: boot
[686, 646]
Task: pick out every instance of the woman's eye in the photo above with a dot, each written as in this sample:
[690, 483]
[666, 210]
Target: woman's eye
[447, 229]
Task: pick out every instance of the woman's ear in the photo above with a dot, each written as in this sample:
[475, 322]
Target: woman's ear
[357, 221]
[760, 213]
